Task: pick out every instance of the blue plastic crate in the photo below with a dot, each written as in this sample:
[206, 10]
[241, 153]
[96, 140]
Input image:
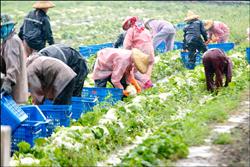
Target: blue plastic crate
[161, 48]
[110, 95]
[59, 114]
[248, 55]
[35, 114]
[81, 105]
[89, 50]
[185, 60]
[180, 26]
[11, 113]
[223, 46]
[178, 45]
[28, 131]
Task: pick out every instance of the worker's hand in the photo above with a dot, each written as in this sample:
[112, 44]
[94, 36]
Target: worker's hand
[184, 50]
[6, 88]
[125, 93]
[136, 85]
[215, 39]
[207, 42]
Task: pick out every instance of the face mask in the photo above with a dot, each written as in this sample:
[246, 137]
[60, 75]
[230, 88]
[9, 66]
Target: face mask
[6, 30]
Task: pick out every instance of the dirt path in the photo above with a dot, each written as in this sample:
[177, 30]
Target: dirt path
[236, 154]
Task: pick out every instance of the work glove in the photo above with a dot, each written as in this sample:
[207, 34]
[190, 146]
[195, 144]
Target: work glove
[148, 84]
[6, 88]
[125, 93]
[136, 85]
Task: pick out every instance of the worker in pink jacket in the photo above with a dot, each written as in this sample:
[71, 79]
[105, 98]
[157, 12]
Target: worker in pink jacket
[116, 66]
[161, 31]
[139, 37]
[219, 30]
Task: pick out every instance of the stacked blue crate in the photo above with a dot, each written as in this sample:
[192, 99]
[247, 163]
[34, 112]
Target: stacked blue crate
[11, 114]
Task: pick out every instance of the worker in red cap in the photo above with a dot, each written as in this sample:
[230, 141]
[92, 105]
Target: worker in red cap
[139, 37]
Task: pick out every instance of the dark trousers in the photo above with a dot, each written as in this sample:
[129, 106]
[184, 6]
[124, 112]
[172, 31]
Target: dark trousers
[82, 72]
[193, 46]
[64, 98]
[103, 82]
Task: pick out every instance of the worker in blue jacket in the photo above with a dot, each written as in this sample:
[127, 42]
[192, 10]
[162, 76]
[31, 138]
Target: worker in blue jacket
[192, 36]
[73, 59]
[36, 29]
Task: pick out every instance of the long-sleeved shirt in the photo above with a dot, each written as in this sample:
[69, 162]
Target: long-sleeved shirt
[47, 77]
[216, 62]
[158, 25]
[115, 63]
[219, 30]
[193, 31]
[12, 52]
[37, 20]
[68, 55]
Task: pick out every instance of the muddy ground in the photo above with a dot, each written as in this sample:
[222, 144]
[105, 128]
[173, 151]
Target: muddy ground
[236, 154]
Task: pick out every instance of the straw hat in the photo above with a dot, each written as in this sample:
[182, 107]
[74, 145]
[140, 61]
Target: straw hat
[128, 21]
[43, 5]
[141, 60]
[191, 16]
[208, 24]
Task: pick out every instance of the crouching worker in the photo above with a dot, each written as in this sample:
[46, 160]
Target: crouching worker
[13, 62]
[216, 62]
[117, 67]
[73, 59]
[50, 78]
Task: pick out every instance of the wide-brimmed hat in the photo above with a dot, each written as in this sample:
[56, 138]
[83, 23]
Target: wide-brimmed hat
[43, 5]
[208, 24]
[128, 21]
[191, 15]
[6, 19]
[141, 60]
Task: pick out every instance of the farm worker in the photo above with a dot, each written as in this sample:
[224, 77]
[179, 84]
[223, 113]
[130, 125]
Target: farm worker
[116, 66]
[192, 36]
[73, 59]
[216, 62]
[13, 62]
[36, 29]
[162, 31]
[49, 78]
[139, 37]
[217, 31]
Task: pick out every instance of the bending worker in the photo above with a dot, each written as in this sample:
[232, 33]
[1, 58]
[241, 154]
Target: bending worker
[13, 62]
[73, 59]
[50, 78]
[217, 31]
[116, 66]
[216, 62]
[161, 31]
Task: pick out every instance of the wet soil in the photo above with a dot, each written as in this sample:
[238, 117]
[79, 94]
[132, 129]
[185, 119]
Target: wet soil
[235, 154]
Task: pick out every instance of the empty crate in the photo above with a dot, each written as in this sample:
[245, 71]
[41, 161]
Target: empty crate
[11, 113]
